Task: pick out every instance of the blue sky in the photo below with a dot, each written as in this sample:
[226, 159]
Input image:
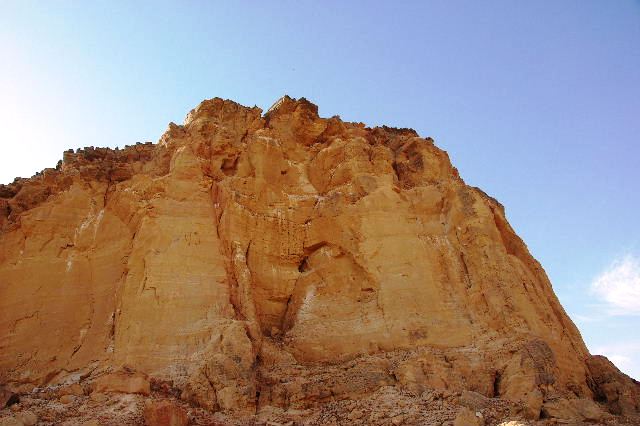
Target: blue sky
[537, 103]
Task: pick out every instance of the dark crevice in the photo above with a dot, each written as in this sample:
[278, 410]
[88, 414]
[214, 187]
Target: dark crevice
[75, 350]
[246, 254]
[112, 329]
[496, 384]
[13, 399]
[394, 165]
[465, 268]
[230, 166]
[244, 136]
[303, 266]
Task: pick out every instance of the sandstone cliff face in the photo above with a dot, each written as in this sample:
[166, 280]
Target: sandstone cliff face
[283, 260]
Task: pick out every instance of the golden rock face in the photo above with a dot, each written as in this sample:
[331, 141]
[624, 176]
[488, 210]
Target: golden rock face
[283, 260]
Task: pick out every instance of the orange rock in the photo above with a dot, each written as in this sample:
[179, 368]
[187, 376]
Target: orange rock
[467, 417]
[620, 392]
[124, 382]
[164, 413]
[571, 409]
[98, 397]
[10, 421]
[473, 400]
[28, 418]
[282, 259]
[72, 389]
[67, 399]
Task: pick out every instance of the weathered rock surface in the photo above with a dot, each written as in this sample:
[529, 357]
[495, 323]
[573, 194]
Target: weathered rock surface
[164, 413]
[27, 418]
[620, 392]
[283, 260]
[467, 417]
[124, 382]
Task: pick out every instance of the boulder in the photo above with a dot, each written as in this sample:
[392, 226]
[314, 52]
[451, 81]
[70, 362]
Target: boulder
[123, 382]
[620, 392]
[473, 400]
[10, 421]
[72, 389]
[98, 397]
[67, 399]
[577, 409]
[27, 417]
[467, 417]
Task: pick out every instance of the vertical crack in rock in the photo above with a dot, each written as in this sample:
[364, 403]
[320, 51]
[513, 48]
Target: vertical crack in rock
[465, 269]
[86, 327]
[245, 303]
[145, 278]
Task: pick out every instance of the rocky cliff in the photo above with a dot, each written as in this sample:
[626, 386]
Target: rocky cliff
[285, 263]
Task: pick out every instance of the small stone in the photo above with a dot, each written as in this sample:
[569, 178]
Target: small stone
[98, 397]
[398, 420]
[28, 418]
[10, 421]
[275, 332]
[355, 414]
[73, 389]
[66, 399]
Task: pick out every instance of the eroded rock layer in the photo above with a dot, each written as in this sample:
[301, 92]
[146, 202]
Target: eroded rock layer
[283, 260]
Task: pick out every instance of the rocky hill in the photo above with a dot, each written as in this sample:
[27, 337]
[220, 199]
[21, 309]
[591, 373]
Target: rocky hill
[272, 268]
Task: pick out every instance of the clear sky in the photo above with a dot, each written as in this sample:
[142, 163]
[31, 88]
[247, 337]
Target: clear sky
[537, 103]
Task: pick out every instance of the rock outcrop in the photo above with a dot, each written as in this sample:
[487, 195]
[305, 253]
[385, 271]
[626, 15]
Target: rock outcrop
[284, 260]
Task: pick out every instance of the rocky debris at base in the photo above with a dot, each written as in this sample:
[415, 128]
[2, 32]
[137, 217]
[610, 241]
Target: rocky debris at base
[386, 406]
